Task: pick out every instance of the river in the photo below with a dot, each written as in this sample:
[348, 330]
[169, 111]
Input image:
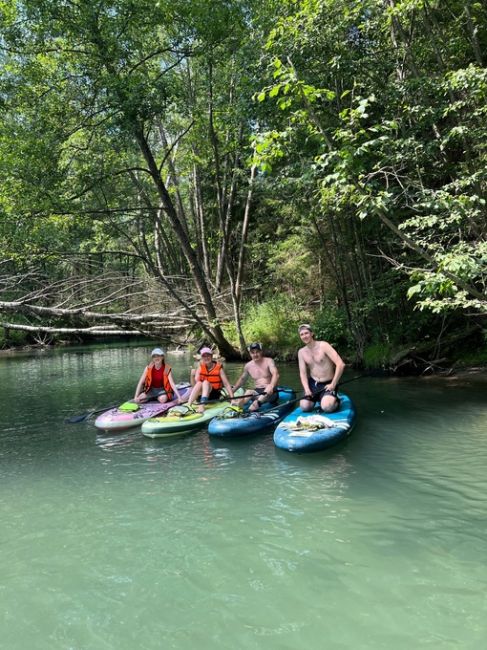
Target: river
[121, 542]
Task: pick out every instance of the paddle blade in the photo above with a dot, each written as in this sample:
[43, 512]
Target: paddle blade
[74, 419]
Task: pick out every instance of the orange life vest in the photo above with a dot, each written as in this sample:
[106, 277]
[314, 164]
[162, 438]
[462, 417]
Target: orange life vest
[165, 380]
[213, 375]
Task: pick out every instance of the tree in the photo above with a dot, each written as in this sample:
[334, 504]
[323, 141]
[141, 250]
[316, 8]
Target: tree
[388, 99]
[102, 100]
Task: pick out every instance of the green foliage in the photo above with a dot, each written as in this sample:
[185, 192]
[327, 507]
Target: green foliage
[476, 357]
[377, 355]
[274, 323]
[367, 120]
[291, 260]
[397, 144]
[330, 324]
[15, 338]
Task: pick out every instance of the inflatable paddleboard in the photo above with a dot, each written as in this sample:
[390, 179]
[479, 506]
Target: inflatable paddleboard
[179, 420]
[227, 425]
[115, 419]
[302, 431]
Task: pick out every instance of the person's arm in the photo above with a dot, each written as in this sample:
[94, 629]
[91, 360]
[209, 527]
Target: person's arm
[173, 386]
[274, 377]
[339, 365]
[242, 379]
[303, 373]
[138, 390]
[226, 383]
[196, 388]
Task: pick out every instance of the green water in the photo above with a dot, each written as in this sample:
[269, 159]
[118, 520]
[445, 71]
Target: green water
[121, 542]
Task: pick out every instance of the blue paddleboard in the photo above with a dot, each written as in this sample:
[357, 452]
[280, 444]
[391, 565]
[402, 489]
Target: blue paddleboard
[314, 430]
[250, 423]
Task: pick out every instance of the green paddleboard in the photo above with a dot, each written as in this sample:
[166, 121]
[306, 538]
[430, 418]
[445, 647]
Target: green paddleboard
[179, 420]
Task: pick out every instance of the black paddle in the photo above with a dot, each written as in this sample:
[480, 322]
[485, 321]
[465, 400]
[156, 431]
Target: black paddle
[247, 414]
[74, 419]
[226, 397]
[223, 398]
[312, 395]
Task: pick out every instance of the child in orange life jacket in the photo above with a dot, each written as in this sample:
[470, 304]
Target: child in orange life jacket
[194, 368]
[156, 381]
[210, 379]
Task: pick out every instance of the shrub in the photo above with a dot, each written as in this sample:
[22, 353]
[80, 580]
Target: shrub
[274, 324]
[15, 338]
[330, 324]
[377, 355]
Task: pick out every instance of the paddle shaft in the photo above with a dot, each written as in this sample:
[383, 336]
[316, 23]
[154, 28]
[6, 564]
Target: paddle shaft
[74, 419]
[224, 398]
[367, 374]
[315, 394]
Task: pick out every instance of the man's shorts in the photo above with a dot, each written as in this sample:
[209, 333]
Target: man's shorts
[318, 390]
[273, 399]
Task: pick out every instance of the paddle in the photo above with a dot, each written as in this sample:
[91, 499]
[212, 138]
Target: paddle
[312, 396]
[74, 419]
[367, 374]
[223, 398]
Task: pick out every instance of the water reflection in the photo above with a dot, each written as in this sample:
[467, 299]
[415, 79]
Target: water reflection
[113, 441]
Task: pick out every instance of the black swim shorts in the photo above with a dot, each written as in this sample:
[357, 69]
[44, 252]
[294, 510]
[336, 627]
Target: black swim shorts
[318, 390]
[273, 399]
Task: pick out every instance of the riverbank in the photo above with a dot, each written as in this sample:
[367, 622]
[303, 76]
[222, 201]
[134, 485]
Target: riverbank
[456, 371]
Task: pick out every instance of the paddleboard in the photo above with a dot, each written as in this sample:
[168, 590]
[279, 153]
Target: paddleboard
[115, 420]
[250, 423]
[178, 421]
[305, 431]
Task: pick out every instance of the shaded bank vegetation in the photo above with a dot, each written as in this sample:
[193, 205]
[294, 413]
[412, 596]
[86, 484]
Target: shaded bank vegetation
[222, 171]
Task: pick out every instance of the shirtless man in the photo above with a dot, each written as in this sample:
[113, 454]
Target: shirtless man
[265, 375]
[320, 369]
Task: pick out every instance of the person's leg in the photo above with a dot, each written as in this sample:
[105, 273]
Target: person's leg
[273, 399]
[195, 393]
[265, 398]
[206, 389]
[242, 401]
[214, 394]
[141, 398]
[205, 392]
[261, 398]
[329, 402]
[306, 404]
[316, 390]
[158, 394]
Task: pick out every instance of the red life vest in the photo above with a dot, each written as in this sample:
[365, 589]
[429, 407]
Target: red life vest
[213, 375]
[153, 374]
